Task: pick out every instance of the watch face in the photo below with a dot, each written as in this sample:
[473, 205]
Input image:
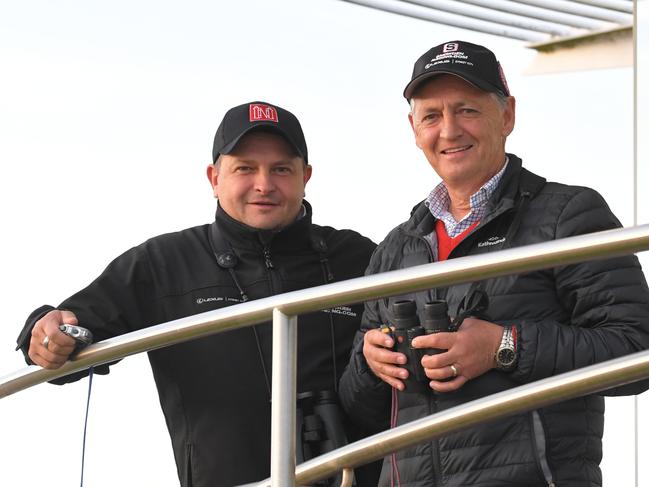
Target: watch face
[506, 356]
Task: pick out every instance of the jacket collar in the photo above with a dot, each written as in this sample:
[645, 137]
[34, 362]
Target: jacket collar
[297, 235]
[515, 180]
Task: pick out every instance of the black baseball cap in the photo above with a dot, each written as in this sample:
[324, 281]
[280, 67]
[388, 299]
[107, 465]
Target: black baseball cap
[471, 62]
[258, 115]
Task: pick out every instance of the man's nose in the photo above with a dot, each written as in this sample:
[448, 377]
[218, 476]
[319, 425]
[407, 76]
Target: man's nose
[264, 182]
[450, 128]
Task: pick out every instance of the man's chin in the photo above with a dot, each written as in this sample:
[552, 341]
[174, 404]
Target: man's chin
[261, 223]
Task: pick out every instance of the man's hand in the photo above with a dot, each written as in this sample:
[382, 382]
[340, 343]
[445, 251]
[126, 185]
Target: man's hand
[49, 347]
[471, 351]
[382, 361]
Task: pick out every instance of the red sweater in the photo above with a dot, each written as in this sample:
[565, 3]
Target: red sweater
[446, 244]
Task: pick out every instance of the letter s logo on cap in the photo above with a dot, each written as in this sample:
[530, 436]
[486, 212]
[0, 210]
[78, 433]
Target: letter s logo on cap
[450, 47]
[259, 112]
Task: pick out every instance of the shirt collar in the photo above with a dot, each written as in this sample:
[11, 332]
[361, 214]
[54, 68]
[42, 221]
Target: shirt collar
[438, 202]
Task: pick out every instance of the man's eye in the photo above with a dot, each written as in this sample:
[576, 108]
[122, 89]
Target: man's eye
[468, 111]
[282, 170]
[430, 117]
[243, 169]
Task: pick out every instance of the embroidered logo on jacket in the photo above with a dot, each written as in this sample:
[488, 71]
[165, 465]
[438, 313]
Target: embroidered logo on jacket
[341, 310]
[492, 241]
[215, 299]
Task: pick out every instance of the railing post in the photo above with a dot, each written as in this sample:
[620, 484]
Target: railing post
[282, 439]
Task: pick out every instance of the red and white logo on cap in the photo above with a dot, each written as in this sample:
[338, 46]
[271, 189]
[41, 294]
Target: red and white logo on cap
[260, 112]
[450, 47]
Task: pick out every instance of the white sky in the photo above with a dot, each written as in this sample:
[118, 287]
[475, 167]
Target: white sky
[107, 115]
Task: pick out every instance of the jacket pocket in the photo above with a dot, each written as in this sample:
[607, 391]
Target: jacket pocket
[187, 474]
[540, 450]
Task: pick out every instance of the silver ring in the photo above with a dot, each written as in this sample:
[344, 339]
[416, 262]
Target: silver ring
[46, 342]
[454, 369]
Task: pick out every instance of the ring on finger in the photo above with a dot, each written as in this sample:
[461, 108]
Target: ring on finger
[454, 369]
[46, 342]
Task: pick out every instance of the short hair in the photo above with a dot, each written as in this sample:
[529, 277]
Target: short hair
[500, 98]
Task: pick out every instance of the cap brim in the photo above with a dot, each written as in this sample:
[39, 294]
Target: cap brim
[228, 148]
[478, 83]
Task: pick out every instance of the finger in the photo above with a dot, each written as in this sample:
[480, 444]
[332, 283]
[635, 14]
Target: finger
[49, 362]
[57, 341]
[50, 323]
[439, 360]
[374, 351]
[379, 354]
[60, 346]
[388, 370]
[446, 372]
[54, 354]
[379, 338]
[441, 340]
[448, 386]
[60, 343]
[396, 383]
[389, 373]
[69, 317]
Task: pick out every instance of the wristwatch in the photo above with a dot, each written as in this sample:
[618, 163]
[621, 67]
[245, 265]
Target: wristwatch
[506, 355]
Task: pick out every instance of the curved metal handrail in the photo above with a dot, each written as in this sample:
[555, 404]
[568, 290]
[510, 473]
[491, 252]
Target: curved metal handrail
[541, 393]
[284, 308]
[440, 274]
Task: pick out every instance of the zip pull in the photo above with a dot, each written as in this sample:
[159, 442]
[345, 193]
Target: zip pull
[269, 263]
[326, 270]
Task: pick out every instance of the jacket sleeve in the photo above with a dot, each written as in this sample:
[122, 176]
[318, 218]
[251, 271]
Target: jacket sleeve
[114, 303]
[364, 396]
[607, 302]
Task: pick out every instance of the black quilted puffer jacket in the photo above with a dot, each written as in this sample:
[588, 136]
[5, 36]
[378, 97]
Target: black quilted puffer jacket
[567, 317]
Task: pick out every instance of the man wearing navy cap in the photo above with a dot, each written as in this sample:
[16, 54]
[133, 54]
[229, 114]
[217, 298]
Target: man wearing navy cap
[505, 331]
[215, 392]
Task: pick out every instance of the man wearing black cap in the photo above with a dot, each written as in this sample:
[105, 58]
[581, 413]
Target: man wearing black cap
[215, 392]
[505, 331]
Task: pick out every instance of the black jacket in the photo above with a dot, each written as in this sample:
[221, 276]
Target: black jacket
[567, 317]
[214, 390]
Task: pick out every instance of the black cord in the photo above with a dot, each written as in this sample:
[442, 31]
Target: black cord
[263, 362]
[328, 276]
[227, 259]
[85, 423]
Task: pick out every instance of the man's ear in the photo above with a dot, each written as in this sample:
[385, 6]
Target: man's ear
[307, 173]
[509, 116]
[412, 125]
[412, 122]
[213, 176]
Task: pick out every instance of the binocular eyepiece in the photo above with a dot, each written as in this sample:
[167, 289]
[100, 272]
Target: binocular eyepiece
[407, 326]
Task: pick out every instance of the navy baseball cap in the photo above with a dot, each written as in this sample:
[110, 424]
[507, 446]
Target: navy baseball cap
[258, 115]
[471, 62]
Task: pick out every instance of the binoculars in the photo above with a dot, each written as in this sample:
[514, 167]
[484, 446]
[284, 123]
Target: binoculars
[319, 429]
[407, 326]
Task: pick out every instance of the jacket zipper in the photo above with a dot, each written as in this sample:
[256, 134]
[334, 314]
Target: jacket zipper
[538, 435]
[437, 461]
[267, 259]
[273, 277]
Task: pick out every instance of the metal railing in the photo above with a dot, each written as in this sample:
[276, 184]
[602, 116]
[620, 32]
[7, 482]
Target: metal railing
[541, 393]
[284, 308]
